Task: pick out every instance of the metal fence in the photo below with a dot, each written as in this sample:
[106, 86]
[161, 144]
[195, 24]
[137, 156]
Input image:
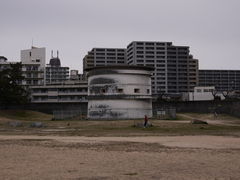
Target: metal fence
[164, 113]
[69, 114]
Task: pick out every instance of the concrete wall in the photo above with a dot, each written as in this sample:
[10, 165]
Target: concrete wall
[114, 82]
[227, 107]
[119, 109]
[49, 107]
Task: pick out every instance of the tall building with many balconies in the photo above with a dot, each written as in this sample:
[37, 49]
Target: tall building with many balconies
[176, 71]
[33, 61]
[33, 64]
[104, 57]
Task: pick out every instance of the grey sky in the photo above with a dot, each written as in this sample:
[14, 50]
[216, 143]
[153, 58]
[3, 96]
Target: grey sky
[210, 27]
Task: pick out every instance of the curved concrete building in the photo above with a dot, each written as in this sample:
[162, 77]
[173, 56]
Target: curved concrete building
[119, 92]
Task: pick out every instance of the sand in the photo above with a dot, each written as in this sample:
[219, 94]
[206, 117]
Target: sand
[159, 157]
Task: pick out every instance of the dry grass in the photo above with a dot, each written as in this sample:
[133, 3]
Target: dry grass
[114, 128]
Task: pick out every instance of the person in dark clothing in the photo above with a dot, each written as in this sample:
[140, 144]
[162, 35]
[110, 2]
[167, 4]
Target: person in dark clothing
[145, 121]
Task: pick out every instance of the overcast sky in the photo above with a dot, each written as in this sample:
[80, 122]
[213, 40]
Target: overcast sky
[210, 27]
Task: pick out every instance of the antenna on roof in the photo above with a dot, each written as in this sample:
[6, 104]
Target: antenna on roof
[57, 53]
[52, 53]
[32, 42]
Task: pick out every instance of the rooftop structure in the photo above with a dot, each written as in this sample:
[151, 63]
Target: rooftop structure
[34, 56]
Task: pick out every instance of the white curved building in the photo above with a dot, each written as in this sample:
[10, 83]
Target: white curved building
[119, 92]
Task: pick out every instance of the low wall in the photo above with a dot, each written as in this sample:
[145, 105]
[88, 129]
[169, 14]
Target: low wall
[50, 107]
[227, 107]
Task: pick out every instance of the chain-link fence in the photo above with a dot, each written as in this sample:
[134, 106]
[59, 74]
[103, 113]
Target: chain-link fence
[164, 113]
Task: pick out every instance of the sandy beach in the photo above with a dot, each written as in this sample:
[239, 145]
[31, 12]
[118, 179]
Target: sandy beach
[163, 157]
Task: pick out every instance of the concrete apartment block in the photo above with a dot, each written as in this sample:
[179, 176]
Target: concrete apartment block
[33, 72]
[66, 92]
[175, 69]
[104, 57]
[55, 73]
[222, 80]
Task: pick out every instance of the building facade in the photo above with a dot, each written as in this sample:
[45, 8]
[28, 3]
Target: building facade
[55, 73]
[33, 61]
[104, 57]
[67, 92]
[176, 71]
[222, 80]
[119, 92]
[33, 72]
[34, 55]
[205, 93]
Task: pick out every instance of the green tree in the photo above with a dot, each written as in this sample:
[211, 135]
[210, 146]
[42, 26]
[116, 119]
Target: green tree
[11, 92]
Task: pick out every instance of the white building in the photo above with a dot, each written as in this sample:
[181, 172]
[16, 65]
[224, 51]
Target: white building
[202, 93]
[33, 72]
[34, 56]
[119, 92]
[33, 61]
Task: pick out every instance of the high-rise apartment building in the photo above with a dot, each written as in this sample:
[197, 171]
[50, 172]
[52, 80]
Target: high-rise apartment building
[175, 71]
[33, 61]
[104, 57]
[222, 80]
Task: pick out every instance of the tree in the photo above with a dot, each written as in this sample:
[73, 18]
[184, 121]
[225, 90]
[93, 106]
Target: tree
[11, 92]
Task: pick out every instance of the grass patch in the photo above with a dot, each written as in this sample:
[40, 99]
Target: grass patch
[115, 128]
[25, 115]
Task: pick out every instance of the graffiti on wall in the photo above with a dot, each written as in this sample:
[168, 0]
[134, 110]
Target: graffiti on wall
[100, 111]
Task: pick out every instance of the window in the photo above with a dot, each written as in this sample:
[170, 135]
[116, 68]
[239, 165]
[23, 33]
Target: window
[199, 90]
[120, 90]
[136, 90]
[52, 97]
[150, 44]
[148, 91]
